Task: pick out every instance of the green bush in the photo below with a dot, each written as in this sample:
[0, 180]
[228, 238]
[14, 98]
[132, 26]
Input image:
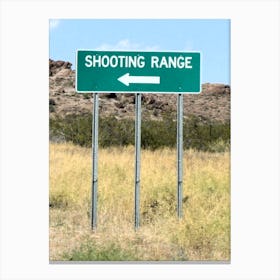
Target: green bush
[113, 132]
[207, 136]
[72, 128]
[52, 105]
[91, 252]
[203, 136]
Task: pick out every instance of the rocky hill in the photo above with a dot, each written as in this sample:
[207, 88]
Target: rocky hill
[213, 103]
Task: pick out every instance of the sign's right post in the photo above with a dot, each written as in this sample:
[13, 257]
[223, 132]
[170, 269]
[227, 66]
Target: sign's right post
[137, 158]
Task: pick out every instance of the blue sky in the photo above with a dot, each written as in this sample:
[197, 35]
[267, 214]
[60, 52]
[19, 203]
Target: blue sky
[210, 37]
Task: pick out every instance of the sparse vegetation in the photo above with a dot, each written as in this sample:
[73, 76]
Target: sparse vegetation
[87, 95]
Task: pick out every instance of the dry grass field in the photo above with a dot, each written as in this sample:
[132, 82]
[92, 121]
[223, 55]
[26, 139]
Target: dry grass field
[202, 234]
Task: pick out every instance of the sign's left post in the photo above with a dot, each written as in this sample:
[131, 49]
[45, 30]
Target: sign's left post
[94, 161]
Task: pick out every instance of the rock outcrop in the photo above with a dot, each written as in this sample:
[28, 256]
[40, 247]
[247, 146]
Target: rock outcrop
[212, 104]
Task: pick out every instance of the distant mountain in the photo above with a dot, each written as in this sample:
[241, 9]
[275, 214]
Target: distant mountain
[212, 104]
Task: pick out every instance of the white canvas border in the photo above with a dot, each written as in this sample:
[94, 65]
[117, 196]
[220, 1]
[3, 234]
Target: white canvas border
[255, 137]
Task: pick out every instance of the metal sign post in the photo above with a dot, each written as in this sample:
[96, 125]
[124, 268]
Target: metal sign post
[137, 157]
[94, 161]
[179, 155]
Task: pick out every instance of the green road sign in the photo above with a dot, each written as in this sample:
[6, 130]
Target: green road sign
[127, 71]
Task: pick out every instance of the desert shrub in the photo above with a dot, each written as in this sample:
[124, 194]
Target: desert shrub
[72, 128]
[52, 101]
[113, 132]
[52, 105]
[89, 251]
[204, 136]
[87, 95]
[155, 134]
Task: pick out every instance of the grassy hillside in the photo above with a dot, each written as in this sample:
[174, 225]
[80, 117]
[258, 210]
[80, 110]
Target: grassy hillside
[202, 234]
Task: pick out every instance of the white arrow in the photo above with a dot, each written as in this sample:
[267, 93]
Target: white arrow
[126, 79]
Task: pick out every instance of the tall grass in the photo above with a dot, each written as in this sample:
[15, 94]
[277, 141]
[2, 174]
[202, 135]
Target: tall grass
[202, 234]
